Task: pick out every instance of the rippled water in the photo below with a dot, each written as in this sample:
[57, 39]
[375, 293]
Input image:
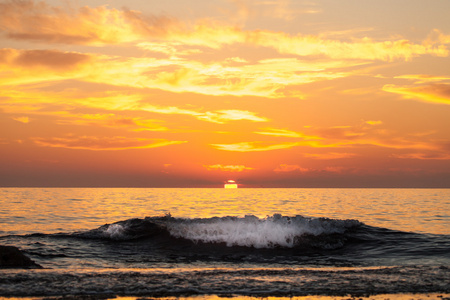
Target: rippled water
[242, 242]
[30, 210]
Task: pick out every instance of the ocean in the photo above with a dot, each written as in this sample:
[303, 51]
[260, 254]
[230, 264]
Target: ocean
[241, 243]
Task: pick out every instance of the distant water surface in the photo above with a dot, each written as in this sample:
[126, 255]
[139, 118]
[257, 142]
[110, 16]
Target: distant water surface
[31, 210]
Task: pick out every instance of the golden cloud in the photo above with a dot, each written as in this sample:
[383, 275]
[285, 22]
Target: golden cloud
[103, 143]
[285, 168]
[42, 102]
[102, 25]
[364, 134]
[214, 35]
[222, 116]
[435, 93]
[423, 156]
[263, 78]
[219, 116]
[287, 133]
[373, 122]
[227, 168]
[113, 121]
[24, 120]
[331, 155]
[38, 21]
[253, 146]
[30, 66]
[423, 78]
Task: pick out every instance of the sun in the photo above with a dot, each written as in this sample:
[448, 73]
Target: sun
[231, 184]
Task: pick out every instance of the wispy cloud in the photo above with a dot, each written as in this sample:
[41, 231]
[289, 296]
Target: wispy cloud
[103, 25]
[435, 93]
[287, 133]
[424, 156]
[116, 103]
[227, 168]
[330, 155]
[113, 121]
[24, 119]
[265, 78]
[253, 146]
[219, 116]
[424, 78]
[286, 168]
[39, 21]
[367, 133]
[103, 143]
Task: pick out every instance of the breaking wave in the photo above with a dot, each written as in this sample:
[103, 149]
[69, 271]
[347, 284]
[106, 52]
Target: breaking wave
[249, 231]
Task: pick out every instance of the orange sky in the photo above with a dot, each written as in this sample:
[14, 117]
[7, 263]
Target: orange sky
[268, 93]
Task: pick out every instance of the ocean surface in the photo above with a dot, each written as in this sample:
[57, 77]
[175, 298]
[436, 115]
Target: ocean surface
[137, 242]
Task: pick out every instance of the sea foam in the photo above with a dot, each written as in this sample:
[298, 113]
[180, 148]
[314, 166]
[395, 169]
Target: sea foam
[250, 231]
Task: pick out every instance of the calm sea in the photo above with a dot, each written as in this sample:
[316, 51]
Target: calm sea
[107, 242]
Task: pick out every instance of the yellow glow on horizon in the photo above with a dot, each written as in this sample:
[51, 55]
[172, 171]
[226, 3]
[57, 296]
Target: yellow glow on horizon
[231, 184]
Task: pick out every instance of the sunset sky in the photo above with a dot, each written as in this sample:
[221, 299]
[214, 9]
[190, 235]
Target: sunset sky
[349, 93]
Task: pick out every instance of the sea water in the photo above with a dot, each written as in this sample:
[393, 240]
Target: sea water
[108, 242]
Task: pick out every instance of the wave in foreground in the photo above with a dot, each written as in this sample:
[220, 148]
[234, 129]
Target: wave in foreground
[273, 256]
[215, 238]
[275, 239]
[276, 231]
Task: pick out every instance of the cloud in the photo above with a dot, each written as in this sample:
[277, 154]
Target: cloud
[253, 146]
[366, 133]
[377, 122]
[265, 78]
[172, 49]
[222, 116]
[280, 9]
[37, 21]
[32, 66]
[49, 59]
[423, 78]
[437, 37]
[307, 45]
[45, 103]
[103, 143]
[423, 156]
[228, 168]
[218, 116]
[434, 93]
[331, 155]
[285, 168]
[286, 133]
[112, 120]
[24, 120]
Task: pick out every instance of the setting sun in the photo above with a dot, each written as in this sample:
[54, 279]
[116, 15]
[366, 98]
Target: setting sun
[231, 184]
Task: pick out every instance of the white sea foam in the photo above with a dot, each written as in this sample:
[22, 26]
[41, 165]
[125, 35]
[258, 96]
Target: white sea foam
[115, 232]
[254, 232]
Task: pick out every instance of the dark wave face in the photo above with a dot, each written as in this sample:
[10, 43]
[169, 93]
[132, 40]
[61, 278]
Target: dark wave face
[277, 240]
[250, 231]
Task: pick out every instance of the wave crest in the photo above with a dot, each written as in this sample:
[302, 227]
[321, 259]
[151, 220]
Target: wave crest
[249, 231]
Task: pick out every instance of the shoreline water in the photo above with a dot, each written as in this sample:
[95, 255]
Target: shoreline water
[408, 296]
